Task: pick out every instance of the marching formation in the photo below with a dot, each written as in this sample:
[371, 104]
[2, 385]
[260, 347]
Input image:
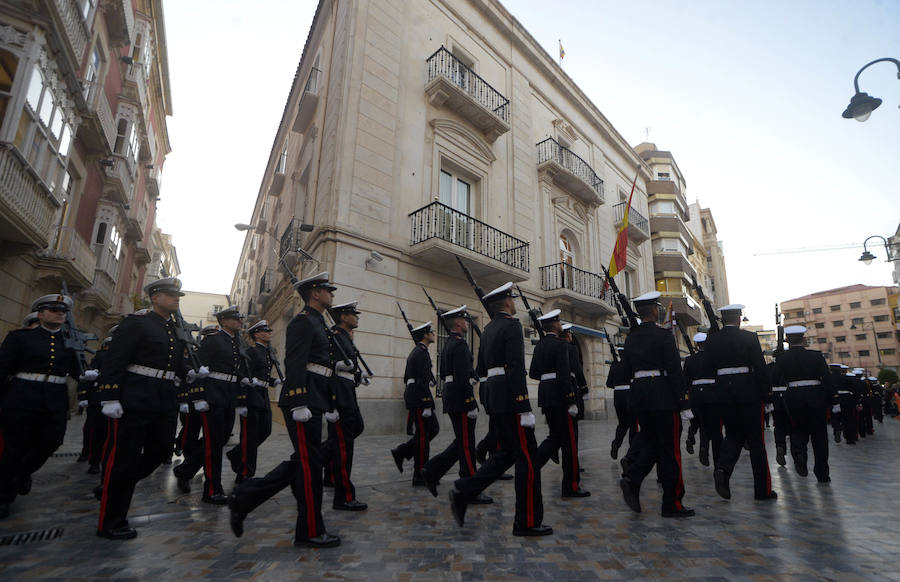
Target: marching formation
[151, 373]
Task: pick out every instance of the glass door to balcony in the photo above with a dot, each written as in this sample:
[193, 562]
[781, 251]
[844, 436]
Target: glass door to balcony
[456, 194]
[566, 263]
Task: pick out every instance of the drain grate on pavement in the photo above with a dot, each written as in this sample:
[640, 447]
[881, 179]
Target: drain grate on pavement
[58, 455]
[44, 535]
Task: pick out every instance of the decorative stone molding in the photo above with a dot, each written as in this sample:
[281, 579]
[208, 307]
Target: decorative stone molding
[565, 131]
[465, 138]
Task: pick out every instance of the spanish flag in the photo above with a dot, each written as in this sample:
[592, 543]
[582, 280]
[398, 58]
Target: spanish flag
[562, 51]
[619, 255]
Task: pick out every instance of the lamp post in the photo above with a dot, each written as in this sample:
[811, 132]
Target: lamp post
[862, 104]
[890, 250]
[874, 336]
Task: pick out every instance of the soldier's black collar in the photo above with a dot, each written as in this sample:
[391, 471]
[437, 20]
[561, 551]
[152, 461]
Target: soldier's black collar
[48, 330]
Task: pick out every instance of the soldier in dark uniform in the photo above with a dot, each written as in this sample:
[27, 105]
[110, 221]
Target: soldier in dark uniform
[224, 387]
[34, 401]
[94, 431]
[876, 394]
[501, 355]
[741, 375]
[138, 395]
[781, 416]
[421, 422]
[348, 422]
[188, 438]
[651, 361]
[578, 377]
[626, 421]
[305, 396]
[31, 321]
[866, 425]
[550, 365]
[848, 398]
[701, 380]
[837, 382]
[459, 405]
[808, 381]
[254, 411]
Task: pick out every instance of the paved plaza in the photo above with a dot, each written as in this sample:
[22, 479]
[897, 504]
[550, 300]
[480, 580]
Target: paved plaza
[846, 530]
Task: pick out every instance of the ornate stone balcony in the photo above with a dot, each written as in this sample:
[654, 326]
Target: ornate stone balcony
[638, 226]
[26, 207]
[570, 172]
[582, 289]
[67, 258]
[98, 127]
[309, 101]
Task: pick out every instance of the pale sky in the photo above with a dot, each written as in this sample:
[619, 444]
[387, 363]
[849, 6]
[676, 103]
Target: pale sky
[746, 95]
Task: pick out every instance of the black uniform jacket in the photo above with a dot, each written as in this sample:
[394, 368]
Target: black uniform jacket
[456, 361]
[260, 368]
[221, 352]
[38, 351]
[650, 347]
[551, 357]
[417, 378]
[577, 366]
[343, 389]
[503, 348]
[732, 347]
[696, 367]
[306, 344]
[144, 340]
[799, 364]
[90, 389]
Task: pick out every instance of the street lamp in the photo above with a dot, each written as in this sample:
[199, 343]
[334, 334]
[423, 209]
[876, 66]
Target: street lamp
[868, 257]
[862, 104]
[874, 335]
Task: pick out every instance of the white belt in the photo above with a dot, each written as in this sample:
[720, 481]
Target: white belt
[150, 372]
[702, 381]
[844, 392]
[496, 371]
[448, 379]
[320, 370]
[732, 371]
[223, 377]
[35, 377]
[548, 376]
[483, 379]
[799, 383]
[622, 387]
[411, 381]
[647, 374]
[779, 388]
[346, 375]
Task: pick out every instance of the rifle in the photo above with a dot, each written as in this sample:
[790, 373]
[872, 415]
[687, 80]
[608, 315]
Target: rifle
[440, 313]
[274, 355]
[358, 355]
[780, 347]
[75, 339]
[707, 306]
[612, 348]
[183, 332]
[478, 290]
[533, 313]
[630, 316]
[410, 328]
[684, 335]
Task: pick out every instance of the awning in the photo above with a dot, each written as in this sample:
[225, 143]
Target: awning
[588, 331]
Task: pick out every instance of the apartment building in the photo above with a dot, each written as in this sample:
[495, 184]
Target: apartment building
[713, 276]
[854, 325]
[416, 132]
[84, 95]
[200, 308]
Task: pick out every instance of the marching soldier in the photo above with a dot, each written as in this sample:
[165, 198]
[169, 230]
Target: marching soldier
[808, 381]
[255, 412]
[578, 377]
[550, 365]
[94, 430]
[837, 381]
[138, 395]
[348, 422]
[651, 361]
[847, 400]
[188, 438]
[421, 422]
[305, 396]
[626, 422]
[501, 354]
[459, 404]
[34, 401]
[781, 415]
[701, 379]
[223, 388]
[31, 321]
[742, 377]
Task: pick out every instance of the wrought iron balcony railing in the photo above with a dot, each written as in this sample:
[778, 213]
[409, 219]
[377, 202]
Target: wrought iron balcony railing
[566, 276]
[443, 63]
[552, 150]
[447, 224]
[635, 218]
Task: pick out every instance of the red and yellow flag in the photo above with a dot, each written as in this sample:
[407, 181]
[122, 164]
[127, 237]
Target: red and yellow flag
[619, 255]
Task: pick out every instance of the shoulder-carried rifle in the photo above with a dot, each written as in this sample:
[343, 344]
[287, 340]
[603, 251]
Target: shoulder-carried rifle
[630, 315]
[532, 313]
[274, 355]
[478, 290]
[359, 356]
[183, 332]
[612, 347]
[780, 346]
[412, 335]
[707, 306]
[75, 339]
[440, 312]
[684, 334]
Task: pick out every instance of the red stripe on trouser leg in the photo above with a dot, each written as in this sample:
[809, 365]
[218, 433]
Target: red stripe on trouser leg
[207, 455]
[244, 469]
[307, 480]
[421, 426]
[529, 485]
[465, 443]
[574, 447]
[676, 430]
[112, 437]
[342, 459]
[762, 433]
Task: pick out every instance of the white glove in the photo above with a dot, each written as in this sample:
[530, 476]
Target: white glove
[343, 366]
[112, 409]
[177, 381]
[82, 404]
[473, 414]
[426, 413]
[258, 382]
[573, 410]
[769, 408]
[89, 375]
[241, 410]
[365, 380]
[184, 408]
[201, 405]
[836, 408]
[245, 381]
[277, 383]
[527, 419]
[473, 382]
[332, 417]
[686, 415]
[301, 414]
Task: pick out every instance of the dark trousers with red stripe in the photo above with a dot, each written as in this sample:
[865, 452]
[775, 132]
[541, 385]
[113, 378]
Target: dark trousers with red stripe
[30, 437]
[744, 424]
[461, 450]
[136, 445]
[208, 454]
[303, 473]
[255, 428]
[517, 447]
[424, 430]
[659, 443]
[96, 434]
[563, 435]
[188, 439]
[338, 452]
[625, 417]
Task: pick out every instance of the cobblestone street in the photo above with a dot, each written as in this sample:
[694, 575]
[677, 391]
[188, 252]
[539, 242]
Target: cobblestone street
[846, 530]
